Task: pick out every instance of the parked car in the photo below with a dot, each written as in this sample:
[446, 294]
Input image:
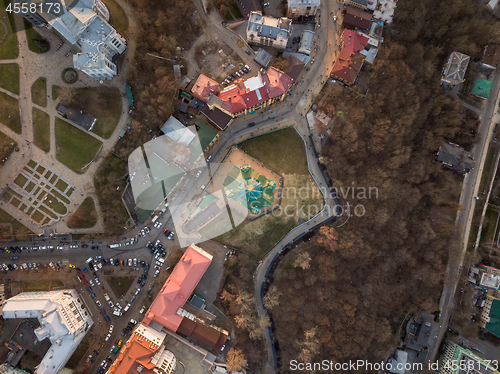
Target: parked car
[248, 52]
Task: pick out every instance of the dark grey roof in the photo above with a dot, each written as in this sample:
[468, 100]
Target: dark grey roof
[456, 158]
[87, 121]
[217, 117]
[263, 58]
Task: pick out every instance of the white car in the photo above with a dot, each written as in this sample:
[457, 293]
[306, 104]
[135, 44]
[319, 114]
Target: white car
[73, 246]
[111, 329]
[97, 281]
[91, 283]
[107, 337]
[110, 303]
[60, 247]
[138, 290]
[129, 262]
[198, 173]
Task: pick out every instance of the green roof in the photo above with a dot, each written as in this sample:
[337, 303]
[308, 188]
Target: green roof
[494, 325]
[482, 88]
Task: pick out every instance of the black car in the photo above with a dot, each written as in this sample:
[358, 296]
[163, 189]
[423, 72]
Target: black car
[14, 258]
[95, 247]
[251, 124]
[84, 245]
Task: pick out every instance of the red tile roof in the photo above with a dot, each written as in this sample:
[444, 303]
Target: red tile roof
[276, 82]
[204, 87]
[135, 352]
[349, 61]
[178, 287]
[238, 98]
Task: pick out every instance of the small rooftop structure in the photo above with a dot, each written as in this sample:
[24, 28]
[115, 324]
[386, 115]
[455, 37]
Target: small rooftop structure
[263, 58]
[454, 69]
[356, 18]
[362, 4]
[176, 131]
[204, 87]
[293, 67]
[456, 158]
[421, 331]
[85, 120]
[482, 88]
[491, 56]
[306, 42]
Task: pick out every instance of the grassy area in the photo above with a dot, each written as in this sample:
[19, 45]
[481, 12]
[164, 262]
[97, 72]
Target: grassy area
[74, 148]
[7, 146]
[39, 92]
[487, 167]
[120, 285]
[80, 352]
[9, 113]
[119, 19]
[228, 16]
[84, 217]
[21, 232]
[20, 180]
[41, 129]
[55, 205]
[104, 103]
[283, 152]
[37, 216]
[41, 285]
[8, 46]
[9, 77]
[35, 40]
[236, 10]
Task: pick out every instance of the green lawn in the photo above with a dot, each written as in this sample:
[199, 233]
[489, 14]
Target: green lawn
[281, 151]
[41, 129]
[120, 285]
[35, 40]
[7, 146]
[228, 16]
[118, 19]
[104, 103]
[39, 92]
[8, 45]
[236, 10]
[9, 113]
[74, 148]
[55, 205]
[21, 232]
[9, 77]
[84, 217]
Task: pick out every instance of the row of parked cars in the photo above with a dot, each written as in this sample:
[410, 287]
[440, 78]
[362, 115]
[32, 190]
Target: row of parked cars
[31, 265]
[231, 77]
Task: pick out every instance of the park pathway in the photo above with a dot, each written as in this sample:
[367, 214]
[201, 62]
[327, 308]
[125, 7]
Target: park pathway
[50, 65]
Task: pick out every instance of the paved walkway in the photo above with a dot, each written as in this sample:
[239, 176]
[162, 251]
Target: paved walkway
[50, 65]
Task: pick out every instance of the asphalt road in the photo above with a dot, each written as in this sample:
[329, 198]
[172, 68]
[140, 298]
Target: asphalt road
[470, 189]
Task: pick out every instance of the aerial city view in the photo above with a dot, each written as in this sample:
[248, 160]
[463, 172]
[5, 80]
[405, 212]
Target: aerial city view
[249, 186]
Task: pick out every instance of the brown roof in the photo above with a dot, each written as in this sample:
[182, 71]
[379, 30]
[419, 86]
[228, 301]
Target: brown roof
[491, 55]
[202, 333]
[357, 18]
[293, 67]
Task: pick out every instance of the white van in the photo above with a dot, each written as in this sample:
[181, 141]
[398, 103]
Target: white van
[115, 245]
[127, 307]
[154, 219]
[117, 313]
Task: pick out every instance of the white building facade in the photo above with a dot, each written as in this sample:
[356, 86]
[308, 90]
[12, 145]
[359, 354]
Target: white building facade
[268, 31]
[297, 8]
[84, 23]
[63, 319]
